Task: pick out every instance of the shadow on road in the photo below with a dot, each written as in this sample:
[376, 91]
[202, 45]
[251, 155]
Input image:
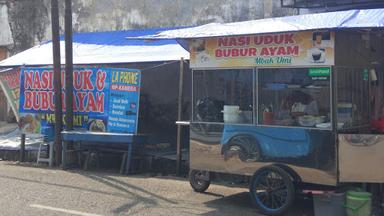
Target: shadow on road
[62, 185]
[224, 206]
[147, 198]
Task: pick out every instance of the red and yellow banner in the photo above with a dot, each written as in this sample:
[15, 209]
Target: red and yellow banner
[10, 84]
[287, 49]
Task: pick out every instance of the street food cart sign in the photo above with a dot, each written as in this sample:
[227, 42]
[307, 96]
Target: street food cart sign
[104, 100]
[269, 50]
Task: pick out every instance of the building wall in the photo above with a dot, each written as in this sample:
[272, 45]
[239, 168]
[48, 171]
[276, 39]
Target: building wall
[29, 20]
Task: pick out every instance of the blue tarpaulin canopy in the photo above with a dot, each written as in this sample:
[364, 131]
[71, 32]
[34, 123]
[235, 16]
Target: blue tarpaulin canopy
[369, 18]
[104, 48]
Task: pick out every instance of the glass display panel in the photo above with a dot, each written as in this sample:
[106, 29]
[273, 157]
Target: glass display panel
[223, 96]
[352, 97]
[294, 97]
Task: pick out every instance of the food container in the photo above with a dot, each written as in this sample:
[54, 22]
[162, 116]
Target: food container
[231, 114]
[307, 120]
[328, 125]
[320, 119]
[268, 118]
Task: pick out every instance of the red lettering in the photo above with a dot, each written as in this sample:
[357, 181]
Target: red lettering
[243, 41]
[281, 51]
[232, 41]
[35, 100]
[235, 52]
[51, 100]
[227, 53]
[44, 101]
[218, 53]
[288, 38]
[28, 77]
[87, 84]
[252, 51]
[274, 39]
[222, 42]
[45, 80]
[36, 81]
[278, 39]
[268, 39]
[100, 80]
[243, 52]
[272, 50]
[76, 80]
[91, 106]
[81, 97]
[264, 51]
[257, 40]
[293, 50]
[100, 102]
[27, 100]
[51, 80]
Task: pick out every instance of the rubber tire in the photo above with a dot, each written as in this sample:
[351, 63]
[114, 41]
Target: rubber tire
[244, 153]
[204, 184]
[290, 191]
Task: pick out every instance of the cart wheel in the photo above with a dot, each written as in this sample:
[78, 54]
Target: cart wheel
[199, 180]
[272, 190]
[245, 147]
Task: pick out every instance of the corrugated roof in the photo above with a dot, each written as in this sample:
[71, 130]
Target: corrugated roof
[369, 18]
[104, 48]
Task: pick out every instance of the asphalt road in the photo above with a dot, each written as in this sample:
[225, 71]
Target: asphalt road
[28, 190]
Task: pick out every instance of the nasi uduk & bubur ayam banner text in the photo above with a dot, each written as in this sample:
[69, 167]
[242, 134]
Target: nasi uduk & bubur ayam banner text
[104, 99]
[268, 50]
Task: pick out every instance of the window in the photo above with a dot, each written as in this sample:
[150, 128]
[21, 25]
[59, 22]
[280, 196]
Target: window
[352, 97]
[294, 97]
[223, 96]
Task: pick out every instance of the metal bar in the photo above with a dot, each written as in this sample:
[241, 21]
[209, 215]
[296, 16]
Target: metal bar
[64, 155]
[129, 158]
[179, 117]
[256, 94]
[68, 65]
[57, 78]
[187, 123]
[22, 148]
[50, 146]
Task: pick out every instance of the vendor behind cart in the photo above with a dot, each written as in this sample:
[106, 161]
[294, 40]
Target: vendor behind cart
[299, 103]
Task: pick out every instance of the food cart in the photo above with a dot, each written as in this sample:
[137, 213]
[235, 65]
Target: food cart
[287, 100]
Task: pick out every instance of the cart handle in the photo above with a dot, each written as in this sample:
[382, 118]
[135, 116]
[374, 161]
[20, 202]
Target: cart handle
[183, 123]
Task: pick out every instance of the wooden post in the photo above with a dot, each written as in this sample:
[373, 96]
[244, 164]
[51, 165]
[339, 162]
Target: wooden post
[57, 79]
[68, 65]
[22, 148]
[179, 117]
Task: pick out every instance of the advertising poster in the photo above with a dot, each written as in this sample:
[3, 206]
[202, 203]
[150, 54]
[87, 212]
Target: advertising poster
[268, 50]
[10, 84]
[92, 97]
[124, 101]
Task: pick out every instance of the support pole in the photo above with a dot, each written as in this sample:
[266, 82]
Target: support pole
[22, 148]
[179, 117]
[68, 65]
[57, 79]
